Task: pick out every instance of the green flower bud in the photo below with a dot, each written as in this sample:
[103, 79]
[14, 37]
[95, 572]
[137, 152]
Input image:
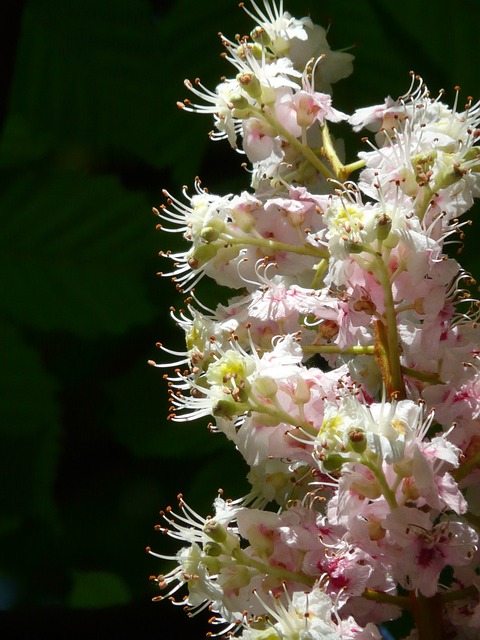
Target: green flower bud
[260, 36]
[215, 531]
[209, 234]
[212, 549]
[333, 462]
[404, 469]
[384, 226]
[214, 228]
[268, 95]
[243, 113]
[251, 84]
[238, 101]
[265, 386]
[226, 408]
[212, 564]
[357, 440]
[200, 255]
[354, 247]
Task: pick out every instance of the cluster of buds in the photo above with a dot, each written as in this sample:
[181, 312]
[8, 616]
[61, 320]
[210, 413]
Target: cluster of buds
[344, 367]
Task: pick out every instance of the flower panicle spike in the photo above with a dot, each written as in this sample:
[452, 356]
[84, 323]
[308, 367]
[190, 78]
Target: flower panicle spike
[342, 364]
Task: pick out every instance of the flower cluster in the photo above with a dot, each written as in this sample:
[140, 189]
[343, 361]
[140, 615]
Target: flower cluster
[344, 365]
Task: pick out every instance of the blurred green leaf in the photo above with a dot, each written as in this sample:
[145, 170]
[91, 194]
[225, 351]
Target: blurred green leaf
[387, 43]
[73, 248]
[29, 433]
[227, 471]
[95, 589]
[20, 146]
[107, 75]
[139, 419]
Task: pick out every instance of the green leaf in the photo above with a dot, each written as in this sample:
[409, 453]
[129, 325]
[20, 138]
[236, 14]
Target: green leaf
[107, 76]
[29, 433]
[97, 589]
[139, 419]
[227, 471]
[72, 253]
[19, 145]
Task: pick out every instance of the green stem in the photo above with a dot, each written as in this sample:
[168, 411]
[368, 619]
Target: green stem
[332, 348]
[353, 166]
[282, 416]
[320, 269]
[423, 376]
[423, 202]
[278, 572]
[371, 461]
[296, 144]
[394, 381]
[275, 246]
[379, 596]
[459, 594]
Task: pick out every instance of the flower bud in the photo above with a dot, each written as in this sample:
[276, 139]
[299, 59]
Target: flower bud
[200, 255]
[238, 101]
[265, 386]
[214, 228]
[260, 36]
[225, 408]
[357, 440]
[209, 234]
[237, 578]
[333, 462]
[215, 531]
[375, 530]
[354, 247]
[384, 226]
[365, 305]
[251, 84]
[404, 469]
[327, 330]
[257, 50]
[212, 549]
[302, 391]
[410, 490]
[268, 96]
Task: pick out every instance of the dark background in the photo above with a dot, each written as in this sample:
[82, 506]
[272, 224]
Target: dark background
[89, 136]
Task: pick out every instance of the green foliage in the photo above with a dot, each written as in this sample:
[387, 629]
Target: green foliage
[94, 589]
[91, 136]
[76, 244]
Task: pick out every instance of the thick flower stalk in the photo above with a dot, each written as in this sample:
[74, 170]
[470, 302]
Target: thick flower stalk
[344, 367]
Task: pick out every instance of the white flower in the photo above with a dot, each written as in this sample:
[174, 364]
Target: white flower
[424, 147]
[220, 104]
[300, 40]
[280, 27]
[307, 617]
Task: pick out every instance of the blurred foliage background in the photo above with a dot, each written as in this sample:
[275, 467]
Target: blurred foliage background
[90, 135]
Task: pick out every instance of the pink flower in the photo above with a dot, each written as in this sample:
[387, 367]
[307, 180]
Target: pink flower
[422, 551]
